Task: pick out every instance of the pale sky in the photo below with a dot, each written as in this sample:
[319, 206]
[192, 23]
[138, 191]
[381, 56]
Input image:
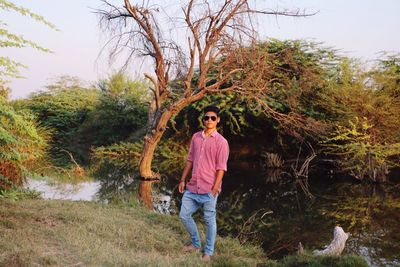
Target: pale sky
[360, 28]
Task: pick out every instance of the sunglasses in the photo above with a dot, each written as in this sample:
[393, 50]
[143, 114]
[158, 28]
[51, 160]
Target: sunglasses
[206, 118]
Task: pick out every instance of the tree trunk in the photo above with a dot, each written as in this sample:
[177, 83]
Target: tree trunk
[146, 159]
[157, 124]
[145, 193]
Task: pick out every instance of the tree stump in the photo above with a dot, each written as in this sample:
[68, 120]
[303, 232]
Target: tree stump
[336, 247]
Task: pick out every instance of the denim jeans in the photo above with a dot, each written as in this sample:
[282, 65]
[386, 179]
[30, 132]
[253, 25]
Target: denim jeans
[191, 202]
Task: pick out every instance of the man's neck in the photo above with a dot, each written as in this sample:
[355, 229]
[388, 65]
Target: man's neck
[208, 132]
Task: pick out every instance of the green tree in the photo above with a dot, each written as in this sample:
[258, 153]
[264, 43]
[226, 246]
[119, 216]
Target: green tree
[363, 109]
[120, 114]
[8, 66]
[21, 143]
[62, 109]
[297, 72]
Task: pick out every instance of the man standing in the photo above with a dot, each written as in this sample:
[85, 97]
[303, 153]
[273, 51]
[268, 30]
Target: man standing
[208, 156]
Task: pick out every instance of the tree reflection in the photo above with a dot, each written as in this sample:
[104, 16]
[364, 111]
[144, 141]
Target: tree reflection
[118, 184]
[371, 213]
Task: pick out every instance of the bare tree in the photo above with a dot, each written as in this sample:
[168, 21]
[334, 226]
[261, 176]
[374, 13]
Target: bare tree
[204, 58]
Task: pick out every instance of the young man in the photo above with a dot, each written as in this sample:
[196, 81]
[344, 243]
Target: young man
[208, 156]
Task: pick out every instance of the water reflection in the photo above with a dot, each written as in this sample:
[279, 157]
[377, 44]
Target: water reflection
[274, 175]
[274, 211]
[122, 184]
[85, 191]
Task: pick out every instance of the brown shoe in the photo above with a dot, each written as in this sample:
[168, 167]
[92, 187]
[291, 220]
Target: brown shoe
[206, 257]
[190, 248]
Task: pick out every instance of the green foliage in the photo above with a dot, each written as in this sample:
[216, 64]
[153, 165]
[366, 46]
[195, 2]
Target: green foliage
[233, 111]
[82, 118]
[62, 110]
[20, 144]
[360, 210]
[120, 84]
[323, 88]
[364, 114]
[170, 156]
[9, 67]
[116, 160]
[387, 74]
[121, 155]
[4, 90]
[358, 152]
[294, 72]
[121, 111]
[18, 193]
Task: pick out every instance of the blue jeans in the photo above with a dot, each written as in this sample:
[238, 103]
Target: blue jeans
[191, 202]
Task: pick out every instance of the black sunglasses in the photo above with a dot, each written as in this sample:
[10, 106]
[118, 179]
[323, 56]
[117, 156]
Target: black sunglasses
[206, 118]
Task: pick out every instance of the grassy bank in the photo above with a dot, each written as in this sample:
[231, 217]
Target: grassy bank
[64, 233]
[36, 232]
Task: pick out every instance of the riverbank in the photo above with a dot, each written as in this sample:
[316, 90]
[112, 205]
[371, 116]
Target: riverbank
[37, 232]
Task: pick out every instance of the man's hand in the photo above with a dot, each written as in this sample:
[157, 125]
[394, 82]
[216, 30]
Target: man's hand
[181, 186]
[214, 192]
[186, 170]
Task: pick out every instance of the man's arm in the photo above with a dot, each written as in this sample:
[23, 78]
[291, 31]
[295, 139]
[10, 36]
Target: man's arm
[218, 180]
[185, 173]
[221, 166]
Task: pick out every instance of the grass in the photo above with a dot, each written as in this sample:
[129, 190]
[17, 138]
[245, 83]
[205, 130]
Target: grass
[64, 233]
[35, 232]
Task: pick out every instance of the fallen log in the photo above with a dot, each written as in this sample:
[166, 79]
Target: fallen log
[336, 247]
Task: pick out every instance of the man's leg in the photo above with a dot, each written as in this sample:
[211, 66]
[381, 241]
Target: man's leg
[209, 209]
[190, 206]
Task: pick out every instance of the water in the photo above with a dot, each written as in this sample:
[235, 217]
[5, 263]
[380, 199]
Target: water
[282, 214]
[271, 209]
[84, 191]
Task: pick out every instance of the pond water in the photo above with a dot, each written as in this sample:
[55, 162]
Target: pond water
[85, 191]
[277, 212]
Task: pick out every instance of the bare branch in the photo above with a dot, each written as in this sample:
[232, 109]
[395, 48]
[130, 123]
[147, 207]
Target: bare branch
[212, 53]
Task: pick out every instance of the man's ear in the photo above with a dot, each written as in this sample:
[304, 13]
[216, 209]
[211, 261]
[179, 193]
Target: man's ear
[218, 119]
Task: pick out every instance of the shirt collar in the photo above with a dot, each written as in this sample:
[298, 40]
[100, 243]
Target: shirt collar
[212, 134]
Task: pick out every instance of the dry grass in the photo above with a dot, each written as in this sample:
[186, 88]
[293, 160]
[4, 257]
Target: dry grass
[63, 233]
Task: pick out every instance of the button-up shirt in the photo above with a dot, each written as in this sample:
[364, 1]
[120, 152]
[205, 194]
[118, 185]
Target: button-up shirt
[208, 154]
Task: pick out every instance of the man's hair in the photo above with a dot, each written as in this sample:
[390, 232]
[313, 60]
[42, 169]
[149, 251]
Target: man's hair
[212, 109]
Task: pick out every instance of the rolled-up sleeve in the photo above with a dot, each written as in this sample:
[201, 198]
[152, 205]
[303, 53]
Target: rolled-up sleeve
[222, 156]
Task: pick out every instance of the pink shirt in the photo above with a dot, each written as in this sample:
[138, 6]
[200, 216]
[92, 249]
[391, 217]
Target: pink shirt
[208, 155]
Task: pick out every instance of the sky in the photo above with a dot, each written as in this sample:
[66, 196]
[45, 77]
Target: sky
[359, 28]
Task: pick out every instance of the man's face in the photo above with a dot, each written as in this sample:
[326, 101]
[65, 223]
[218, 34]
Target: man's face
[210, 120]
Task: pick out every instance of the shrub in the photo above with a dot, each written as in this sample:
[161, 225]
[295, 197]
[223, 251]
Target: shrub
[120, 112]
[62, 109]
[359, 154]
[20, 144]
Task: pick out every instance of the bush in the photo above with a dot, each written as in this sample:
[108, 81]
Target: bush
[121, 111]
[62, 109]
[363, 111]
[20, 144]
[359, 154]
